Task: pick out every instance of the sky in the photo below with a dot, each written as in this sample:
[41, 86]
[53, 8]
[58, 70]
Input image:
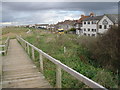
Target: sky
[24, 13]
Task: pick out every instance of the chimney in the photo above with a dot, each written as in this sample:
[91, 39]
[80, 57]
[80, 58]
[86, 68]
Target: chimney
[91, 14]
[82, 16]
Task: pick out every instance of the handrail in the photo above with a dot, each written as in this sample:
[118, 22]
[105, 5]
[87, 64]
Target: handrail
[60, 66]
[5, 46]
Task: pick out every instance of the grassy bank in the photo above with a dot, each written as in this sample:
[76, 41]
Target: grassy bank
[76, 57]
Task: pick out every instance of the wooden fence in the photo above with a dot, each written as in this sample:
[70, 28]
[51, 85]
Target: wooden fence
[4, 47]
[59, 66]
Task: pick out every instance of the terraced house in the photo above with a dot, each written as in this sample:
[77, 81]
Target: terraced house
[66, 25]
[98, 25]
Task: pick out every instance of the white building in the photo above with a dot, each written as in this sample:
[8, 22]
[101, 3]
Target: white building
[79, 23]
[98, 25]
[44, 26]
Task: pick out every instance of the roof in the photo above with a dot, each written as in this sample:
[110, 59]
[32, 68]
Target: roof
[69, 22]
[113, 17]
[41, 24]
[93, 18]
[82, 18]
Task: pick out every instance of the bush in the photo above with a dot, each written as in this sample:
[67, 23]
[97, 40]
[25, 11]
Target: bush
[107, 51]
[106, 79]
[72, 29]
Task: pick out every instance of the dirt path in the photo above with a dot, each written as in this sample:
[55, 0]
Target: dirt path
[19, 71]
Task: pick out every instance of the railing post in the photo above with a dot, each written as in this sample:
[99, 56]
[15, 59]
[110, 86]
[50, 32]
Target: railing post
[22, 43]
[5, 48]
[33, 55]
[58, 76]
[41, 62]
[25, 46]
[28, 49]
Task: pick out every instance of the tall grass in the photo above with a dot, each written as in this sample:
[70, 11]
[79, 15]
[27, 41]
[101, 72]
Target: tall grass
[76, 57]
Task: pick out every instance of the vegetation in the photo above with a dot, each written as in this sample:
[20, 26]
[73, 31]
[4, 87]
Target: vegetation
[83, 54]
[72, 30]
[76, 56]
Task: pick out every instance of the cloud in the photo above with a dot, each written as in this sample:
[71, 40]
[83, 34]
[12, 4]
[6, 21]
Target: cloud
[52, 12]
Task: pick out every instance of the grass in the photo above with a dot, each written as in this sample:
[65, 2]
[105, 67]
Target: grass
[75, 57]
[13, 31]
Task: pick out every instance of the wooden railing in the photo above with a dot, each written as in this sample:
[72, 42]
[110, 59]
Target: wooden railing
[59, 66]
[4, 47]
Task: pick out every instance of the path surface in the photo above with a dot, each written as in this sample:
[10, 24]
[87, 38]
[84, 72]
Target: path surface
[19, 71]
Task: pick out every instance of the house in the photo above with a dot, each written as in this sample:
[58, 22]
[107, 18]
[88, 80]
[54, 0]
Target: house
[107, 21]
[52, 27]
[66, 25]
[98, 25]
[31, 26]
[78, 24]
[42, 26]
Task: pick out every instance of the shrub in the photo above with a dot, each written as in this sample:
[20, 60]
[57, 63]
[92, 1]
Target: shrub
[72, 29]
[106, 49]
[106, 79]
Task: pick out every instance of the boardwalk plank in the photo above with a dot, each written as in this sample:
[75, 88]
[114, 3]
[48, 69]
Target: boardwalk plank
[19, 70]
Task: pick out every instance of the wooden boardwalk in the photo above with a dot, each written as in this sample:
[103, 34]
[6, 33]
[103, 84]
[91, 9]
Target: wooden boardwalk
[19, 70]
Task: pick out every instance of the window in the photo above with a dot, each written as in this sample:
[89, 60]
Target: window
[88, 29]
[95, 30]
[84, 29]
[100, 26]
[92, 30]
[88, 34]
[88, 22]
[85, 34]
[84, 22]
[105, 26]
[110, 26]
[93, 34]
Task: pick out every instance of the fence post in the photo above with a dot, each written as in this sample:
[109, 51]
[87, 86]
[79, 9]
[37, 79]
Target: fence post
[33, 55]
[28, 49]
[58, 76]
[41, 62]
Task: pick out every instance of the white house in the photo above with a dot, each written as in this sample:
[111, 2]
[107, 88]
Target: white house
[44, 26]
[98, 25]
[106, 22]
[79, 23]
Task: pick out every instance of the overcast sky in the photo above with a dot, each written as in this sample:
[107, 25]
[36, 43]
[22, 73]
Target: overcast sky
[18, 13]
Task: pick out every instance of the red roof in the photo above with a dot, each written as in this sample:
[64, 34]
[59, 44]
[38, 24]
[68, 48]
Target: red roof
[83, 17]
